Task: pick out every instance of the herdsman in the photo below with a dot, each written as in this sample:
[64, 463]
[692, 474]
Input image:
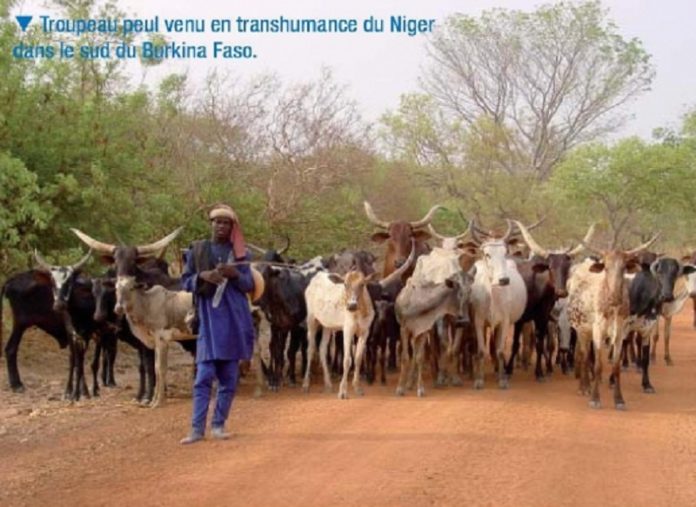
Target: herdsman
[225, 327]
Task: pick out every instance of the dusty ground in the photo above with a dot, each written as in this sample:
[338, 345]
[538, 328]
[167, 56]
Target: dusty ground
[535, 444]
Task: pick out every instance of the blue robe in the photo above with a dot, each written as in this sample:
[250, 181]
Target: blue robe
[226, 332]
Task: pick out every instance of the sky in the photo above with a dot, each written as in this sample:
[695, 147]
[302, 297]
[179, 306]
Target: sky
[378, 68]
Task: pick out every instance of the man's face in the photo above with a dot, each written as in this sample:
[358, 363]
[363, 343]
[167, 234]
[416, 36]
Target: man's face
[222, 227]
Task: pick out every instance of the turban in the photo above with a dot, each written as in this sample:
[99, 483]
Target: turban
[236, 236]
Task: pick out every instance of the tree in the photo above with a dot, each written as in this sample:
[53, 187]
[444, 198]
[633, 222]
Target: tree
[552, 78]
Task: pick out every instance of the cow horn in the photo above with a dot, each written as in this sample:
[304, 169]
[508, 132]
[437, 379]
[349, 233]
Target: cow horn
[427, 218]
[531, 243]
[82, 262]
[373, 218]
[104, 248]
[402, 269]
[435, 234]
[158, 246]
[287, 245]
[474, 232]
[509, 230]
[41, 261]
[644, 246]
[585, 241]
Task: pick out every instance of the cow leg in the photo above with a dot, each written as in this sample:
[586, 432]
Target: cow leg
[296, 338]
[454, 352]
[499, 333]
[598, 364]
[111, 350]
[339, 353]
[69, 388]
[404, 338]
[11, 350]
[95, 367]
[392, 342]
[480, 354]
[619, 402]
[326, 338]
[151, 375]
[81, 385]
[668, 332]
[383, 359]
[582, 364]
[141, 374]
[348, 334]
[509, 367]
[653, 350]
[645, 363]
[539, 345]
[359, 351]
[419, 356]
[160, 374]
[312, 345]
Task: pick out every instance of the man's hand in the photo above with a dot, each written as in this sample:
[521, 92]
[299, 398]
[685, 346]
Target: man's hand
[227, 271]
[212, 276]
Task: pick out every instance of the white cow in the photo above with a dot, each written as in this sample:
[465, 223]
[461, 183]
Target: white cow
[342, 303]
[498, 299]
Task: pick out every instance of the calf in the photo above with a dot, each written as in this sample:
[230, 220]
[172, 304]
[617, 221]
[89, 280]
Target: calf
[334, 303]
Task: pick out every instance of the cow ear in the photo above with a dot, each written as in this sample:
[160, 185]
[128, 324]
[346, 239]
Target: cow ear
[597, 267]
[540, 267]
[633, 266]
[687, 269]
[42, 277]
[380, 237]
[335, 278]
[420, 235]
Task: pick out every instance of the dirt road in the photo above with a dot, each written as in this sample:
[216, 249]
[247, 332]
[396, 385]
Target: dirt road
[535, 444]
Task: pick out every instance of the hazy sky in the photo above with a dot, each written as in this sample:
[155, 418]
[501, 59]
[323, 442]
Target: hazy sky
[379, 67]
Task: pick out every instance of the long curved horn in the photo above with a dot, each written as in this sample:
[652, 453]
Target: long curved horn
[475, 231]
[435, 234]
[402, 269]
[509, 230]
[158, 246]
[104, 248]
[287, 245]
[373, 218]
[41, 261]
[531, 243]
[82, 262]
[585, 241]
[427, 218]
[644, 246]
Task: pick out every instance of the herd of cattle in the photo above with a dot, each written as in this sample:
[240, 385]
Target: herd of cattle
[436, 301]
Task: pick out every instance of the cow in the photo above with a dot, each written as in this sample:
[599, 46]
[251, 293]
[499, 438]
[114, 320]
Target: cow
[272, 255]
[545, 276]
[104, 291]
[347, 260]
[440, 286]
[334, 303]
[398, 235]
[684, 288]
[598, 306]
[691, 284]
[156, 316]
[283, 305]
[57, 300]
[498, 299]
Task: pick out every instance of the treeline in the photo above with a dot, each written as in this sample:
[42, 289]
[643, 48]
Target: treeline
[511, 121]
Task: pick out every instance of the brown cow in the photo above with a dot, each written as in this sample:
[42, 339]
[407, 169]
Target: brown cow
[398, 235]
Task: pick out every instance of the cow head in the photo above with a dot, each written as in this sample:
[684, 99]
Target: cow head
[62, 279]
[556, 262]
[349, 260]
[398, 236]
[125, 286]
[354, 283]
[272, 255]
[104, 292]
[667, 270]
[494, 252]
[615, 264]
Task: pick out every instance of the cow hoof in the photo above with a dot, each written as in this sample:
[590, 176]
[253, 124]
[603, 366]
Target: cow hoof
[504, 384]
[620, 405]
[478, 384]
[342, 396]
[595, 404]
[649, 389]
[258, 392]
[95, 394]
[420, 392]
[359, 391]
[668, 361]
[400, 391]
[456, 381]
[18, 388]
[540, 378]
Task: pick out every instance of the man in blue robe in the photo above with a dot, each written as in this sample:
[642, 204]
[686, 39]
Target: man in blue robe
[225, 326]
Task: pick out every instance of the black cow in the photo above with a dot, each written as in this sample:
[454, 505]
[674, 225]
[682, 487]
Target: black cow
[284, 306]
[57, 300]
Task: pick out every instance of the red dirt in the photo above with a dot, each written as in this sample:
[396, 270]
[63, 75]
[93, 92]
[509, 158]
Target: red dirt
[535, 444]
